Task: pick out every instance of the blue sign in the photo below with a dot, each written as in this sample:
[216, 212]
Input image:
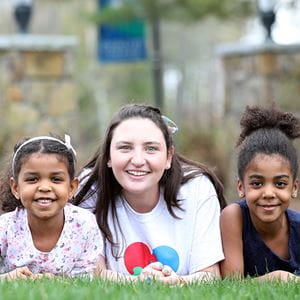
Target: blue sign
[124, 42]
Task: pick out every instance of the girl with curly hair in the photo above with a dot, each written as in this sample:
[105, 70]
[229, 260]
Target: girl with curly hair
[260, 234]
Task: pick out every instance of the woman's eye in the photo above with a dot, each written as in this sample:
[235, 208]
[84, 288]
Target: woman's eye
[124, 147]
[151, 149]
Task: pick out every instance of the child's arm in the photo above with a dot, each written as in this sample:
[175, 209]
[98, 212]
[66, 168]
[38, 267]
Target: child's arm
[5, 226]
[278, 275]
[18, 273]
[233, 265]
[231, 231]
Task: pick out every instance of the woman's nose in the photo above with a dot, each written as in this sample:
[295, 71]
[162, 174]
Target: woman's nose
[138, 158]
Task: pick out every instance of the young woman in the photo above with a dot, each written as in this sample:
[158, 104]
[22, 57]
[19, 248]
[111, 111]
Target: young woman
[261, 236]
[42, 233]
[158, 212]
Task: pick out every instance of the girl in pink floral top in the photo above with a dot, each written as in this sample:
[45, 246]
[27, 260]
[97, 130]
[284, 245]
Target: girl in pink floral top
[42, 233]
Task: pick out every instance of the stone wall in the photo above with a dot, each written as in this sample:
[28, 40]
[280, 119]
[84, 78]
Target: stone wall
[260, 75]
[37, 89]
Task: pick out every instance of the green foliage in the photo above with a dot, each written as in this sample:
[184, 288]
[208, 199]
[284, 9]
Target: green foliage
[180, 10]
[65, 289]
[222, 9]
[113, 15]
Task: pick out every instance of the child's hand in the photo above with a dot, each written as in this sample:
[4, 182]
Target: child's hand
[152, 271]
[281, 275]
[22, 272]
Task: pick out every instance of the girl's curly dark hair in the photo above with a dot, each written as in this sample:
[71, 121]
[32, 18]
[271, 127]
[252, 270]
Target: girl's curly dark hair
[268, 131]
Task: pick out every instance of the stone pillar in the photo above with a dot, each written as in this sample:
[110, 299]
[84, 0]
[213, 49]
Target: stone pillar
[254, 74]
[37, 89]
[260, 74]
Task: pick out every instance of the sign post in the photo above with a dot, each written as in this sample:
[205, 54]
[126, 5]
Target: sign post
[124, 42]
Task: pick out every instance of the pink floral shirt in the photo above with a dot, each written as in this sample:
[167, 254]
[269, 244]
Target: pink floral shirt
[77, 250]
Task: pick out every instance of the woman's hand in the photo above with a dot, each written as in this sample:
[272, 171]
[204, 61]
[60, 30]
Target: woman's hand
[162, 273]
[170, 277]
[205, 275]
[152, 271]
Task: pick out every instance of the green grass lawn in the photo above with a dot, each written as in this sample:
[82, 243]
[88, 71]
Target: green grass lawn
[95, 289]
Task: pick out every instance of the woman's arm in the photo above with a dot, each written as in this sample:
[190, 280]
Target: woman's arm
[152, 271]
[110, 275]
[205, 275]
[156, 271]
[231, 232]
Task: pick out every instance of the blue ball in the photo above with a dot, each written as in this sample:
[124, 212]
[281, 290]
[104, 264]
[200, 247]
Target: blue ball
[167, 256]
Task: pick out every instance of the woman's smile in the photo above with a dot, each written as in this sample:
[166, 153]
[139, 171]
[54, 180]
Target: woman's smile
[138, 161]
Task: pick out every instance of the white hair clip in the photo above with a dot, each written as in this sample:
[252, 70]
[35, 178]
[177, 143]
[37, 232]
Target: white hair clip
[68, 144]
[172, 127]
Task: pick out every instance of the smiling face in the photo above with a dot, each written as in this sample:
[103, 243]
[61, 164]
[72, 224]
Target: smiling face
[44, 187]
[138, 158]
[268, 186]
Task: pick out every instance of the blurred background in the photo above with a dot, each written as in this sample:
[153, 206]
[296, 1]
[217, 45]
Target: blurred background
[68, 65]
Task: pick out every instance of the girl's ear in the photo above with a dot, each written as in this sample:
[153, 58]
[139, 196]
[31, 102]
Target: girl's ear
[295, 188]
[240, 188]
[171, 152]
[73, 187]
[14, 188]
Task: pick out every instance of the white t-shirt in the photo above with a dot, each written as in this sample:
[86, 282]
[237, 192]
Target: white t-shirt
[188, 244]
[77, 251]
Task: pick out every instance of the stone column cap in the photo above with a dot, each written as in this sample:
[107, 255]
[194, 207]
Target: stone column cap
[35, 42]
[244, 49]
